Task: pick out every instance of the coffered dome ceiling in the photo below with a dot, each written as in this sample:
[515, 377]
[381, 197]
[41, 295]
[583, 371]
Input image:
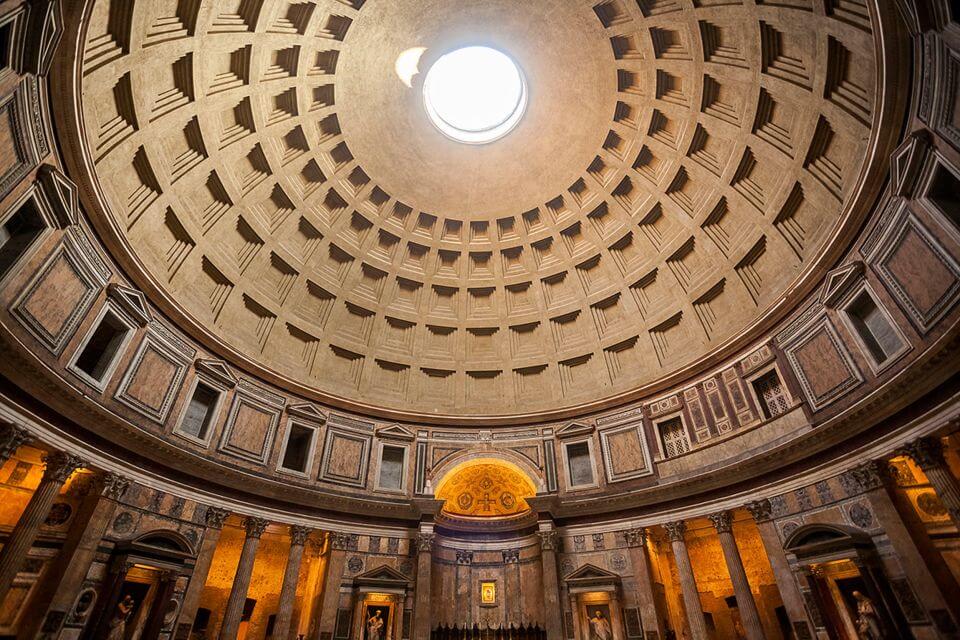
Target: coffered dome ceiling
[276, 186]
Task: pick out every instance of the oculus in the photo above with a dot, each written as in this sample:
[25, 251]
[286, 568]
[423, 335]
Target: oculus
[475, 94]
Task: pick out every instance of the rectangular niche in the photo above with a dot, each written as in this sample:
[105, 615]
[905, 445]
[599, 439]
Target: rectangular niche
[391, 475]
[98, 354]
[298, 448]
[201, 412]
[580, 470]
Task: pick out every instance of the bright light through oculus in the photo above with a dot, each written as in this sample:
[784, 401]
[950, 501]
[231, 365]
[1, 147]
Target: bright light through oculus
[475, 94]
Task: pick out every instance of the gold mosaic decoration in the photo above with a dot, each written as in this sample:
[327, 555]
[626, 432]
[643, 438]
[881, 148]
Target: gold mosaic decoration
[486, 489]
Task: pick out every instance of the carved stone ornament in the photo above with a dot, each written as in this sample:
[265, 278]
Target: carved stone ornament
[12, 438]
[675, 530]
[511, 556]
[425, 542]
[761, 510]
[60, 466]
[926, 452]
[113, 485]
[255, 526]
[216, 517]
[298, 534]
[635, 537]
[464, 557]
[867, 476]
[722, 521]
[339, 541]
[549, 540]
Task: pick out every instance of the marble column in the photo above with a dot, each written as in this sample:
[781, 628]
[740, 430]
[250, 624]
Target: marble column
[747, 606]
[934, 585]
[790, 595]
[214, 519]
[241, 579]
[288, 591]
[575, 616]
[59, 467]
[927, 453]
[12, 438]
[688, 584]
[646, 598]
[549, 546]
[421, 609]
[330, 598]
[60, 583]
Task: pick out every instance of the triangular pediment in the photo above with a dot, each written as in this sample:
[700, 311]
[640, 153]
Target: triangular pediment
[132, 301]
[906, 162]
[574, 429]
[395, 432]
[218, 370]
[61, 194]
[592, 573]
[307, 411]
[382, 575]
[838, 283]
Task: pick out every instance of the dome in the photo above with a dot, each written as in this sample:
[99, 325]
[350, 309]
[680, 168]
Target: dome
[675, 183]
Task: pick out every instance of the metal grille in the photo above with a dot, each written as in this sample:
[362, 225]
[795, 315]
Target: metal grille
[772, 395]
[674, 436]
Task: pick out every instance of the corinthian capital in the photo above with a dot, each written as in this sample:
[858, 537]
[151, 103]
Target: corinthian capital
[721, 521]
[425, 542]
[60, 465]
[255, 526]
[298, 534]
[675, 530]
[12, 437]
[549, 540]
[113, 485]
[761, 510]
[215, 517]
[339, 541]
[926, 452]
[636, 537]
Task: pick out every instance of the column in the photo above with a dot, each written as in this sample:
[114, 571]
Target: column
[421, 606]
[213, 519]
[61, 581]
[59, 467]
[574, 615]
[935, 587]
[241, 580]
[12, 438]
[927, 453]
[761, 510]
[688, 584]
[646, 599]
[549, 546]
[738, 576]
[330, 600]
[288, 592]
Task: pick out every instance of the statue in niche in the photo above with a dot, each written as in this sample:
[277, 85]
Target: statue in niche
[868, 622]
[118, 625]
[599, 626]
[375, 626]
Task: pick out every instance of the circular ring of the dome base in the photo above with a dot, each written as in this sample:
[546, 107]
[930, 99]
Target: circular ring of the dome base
[466, 110]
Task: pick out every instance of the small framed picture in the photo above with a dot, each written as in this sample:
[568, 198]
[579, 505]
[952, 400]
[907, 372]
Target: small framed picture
[488, 593]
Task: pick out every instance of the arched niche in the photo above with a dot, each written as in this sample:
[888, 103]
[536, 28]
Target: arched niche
[485, 487]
